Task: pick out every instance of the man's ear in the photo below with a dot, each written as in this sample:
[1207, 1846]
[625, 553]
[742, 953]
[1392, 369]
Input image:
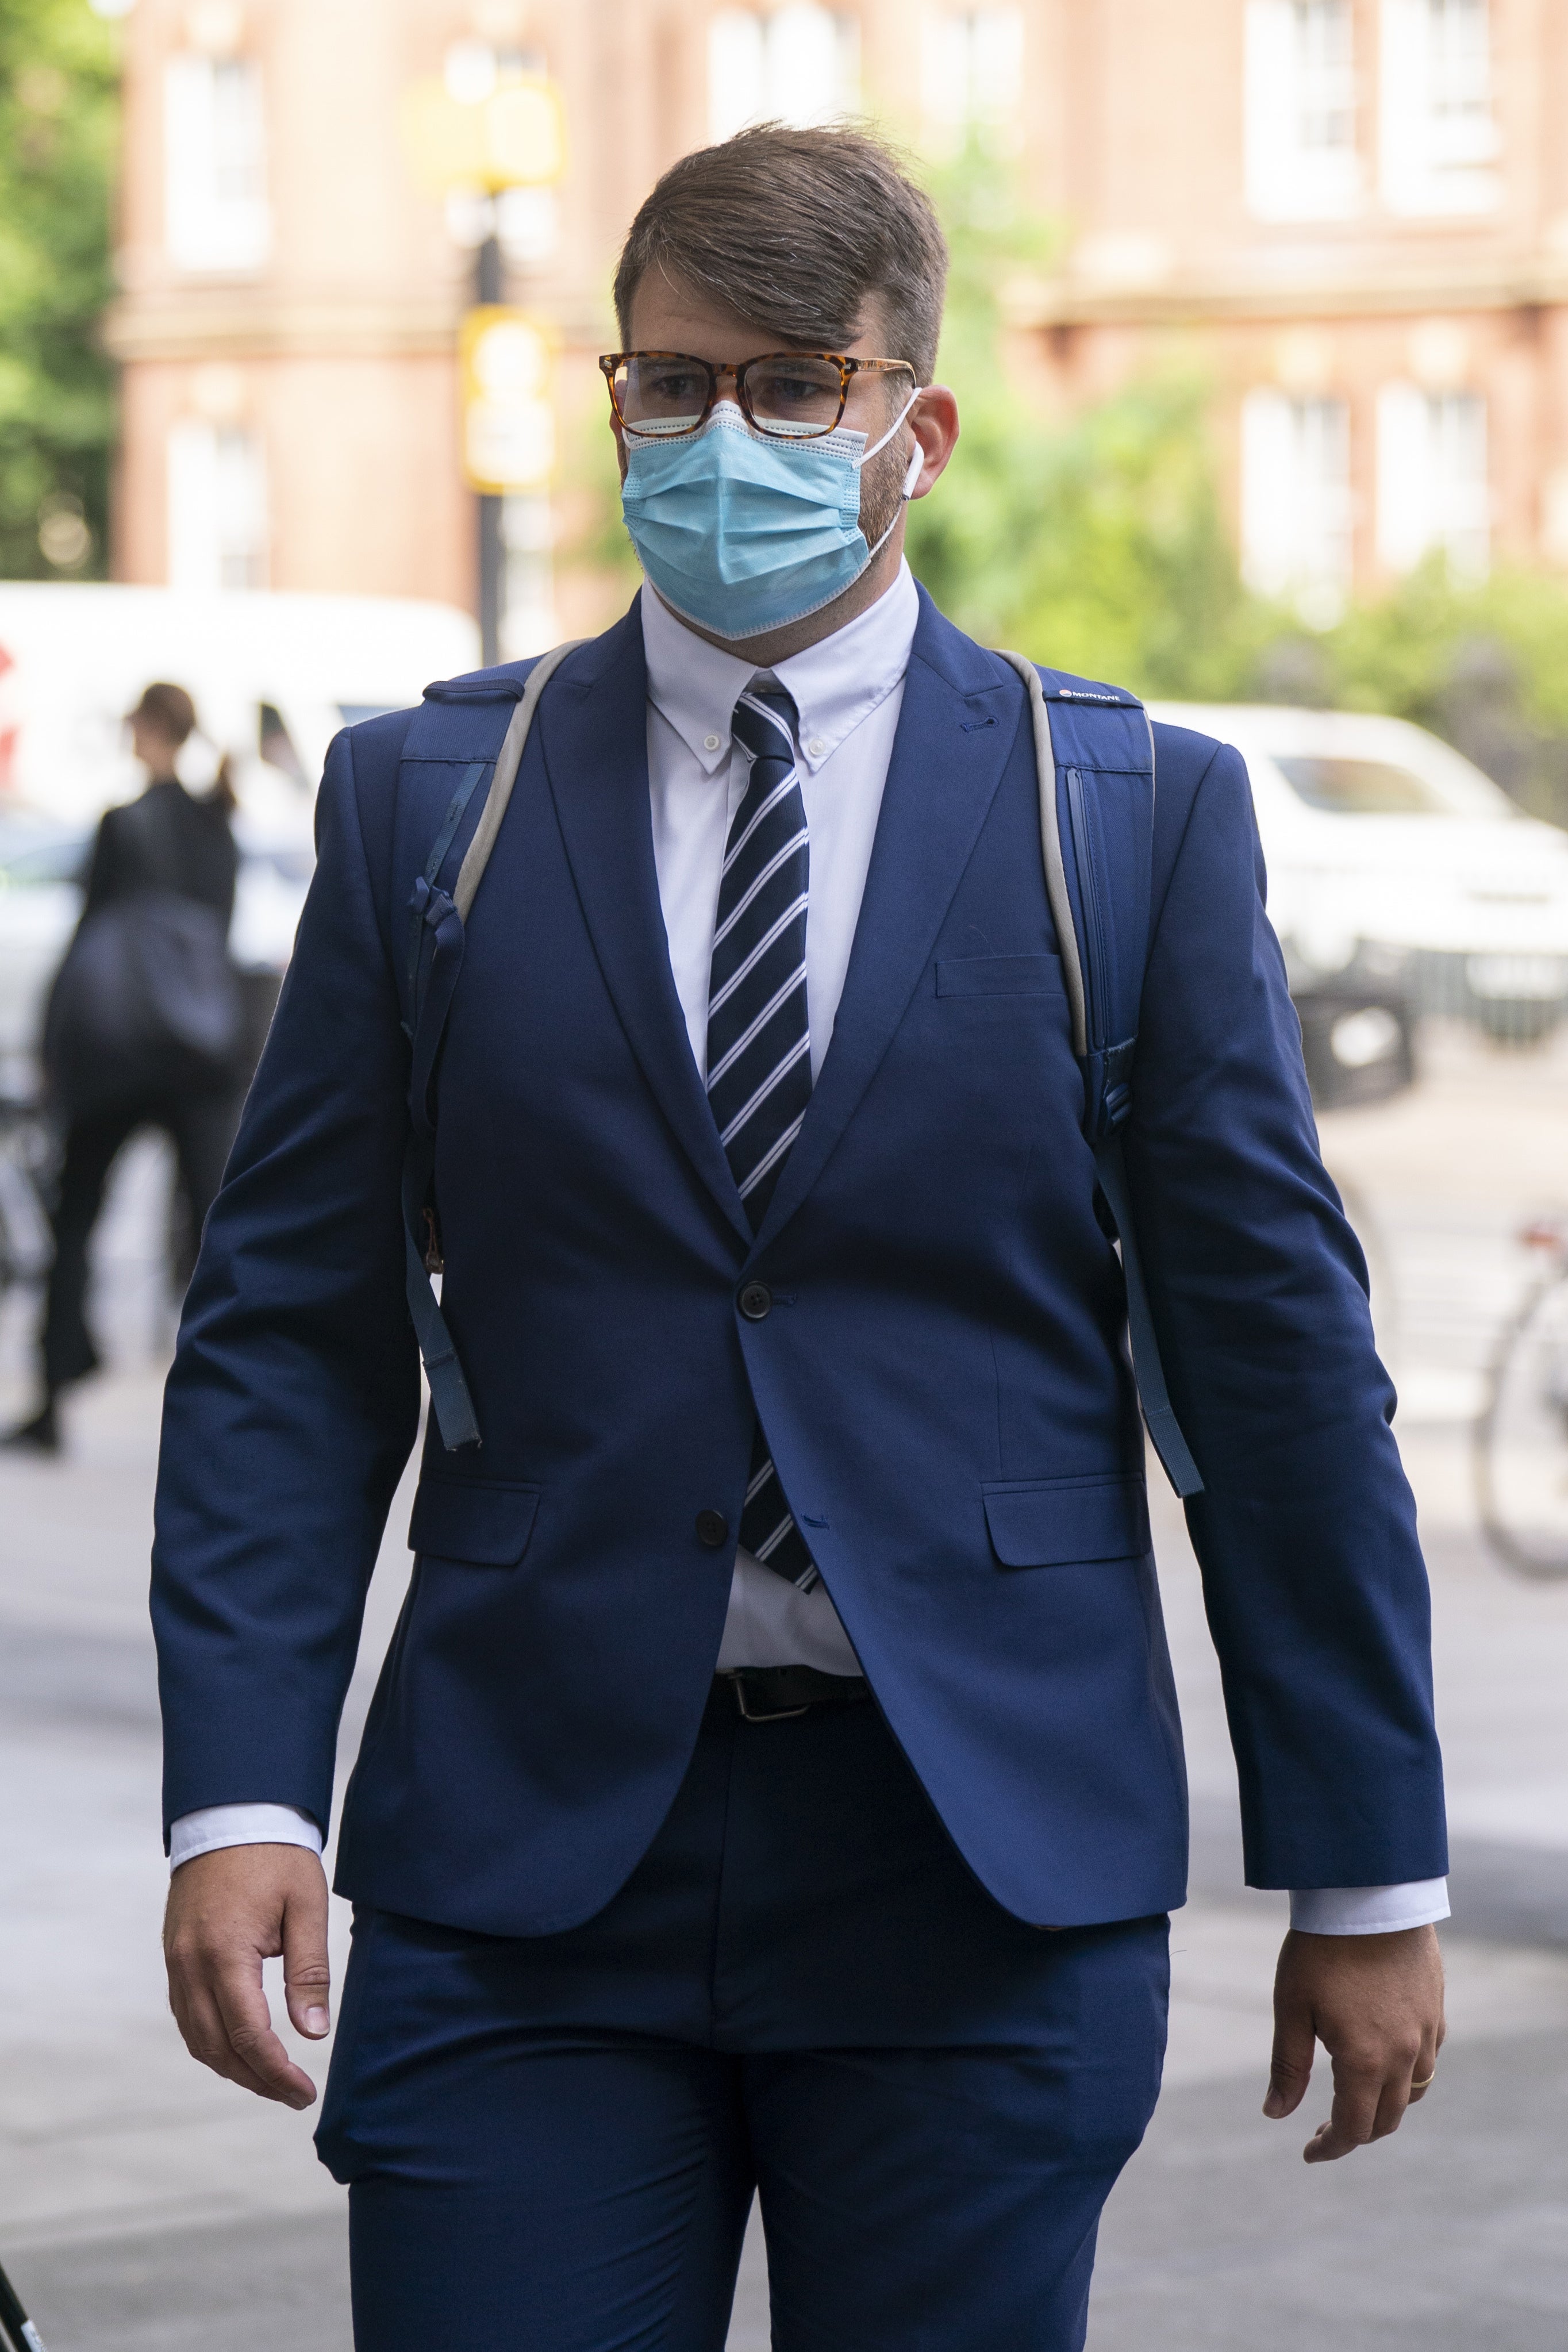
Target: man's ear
[933, 421]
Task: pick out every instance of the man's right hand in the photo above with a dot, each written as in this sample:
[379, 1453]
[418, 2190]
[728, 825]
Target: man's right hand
[228, 1911]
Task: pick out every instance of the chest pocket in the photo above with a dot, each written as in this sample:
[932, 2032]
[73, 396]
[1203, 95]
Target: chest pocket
[1014, 975]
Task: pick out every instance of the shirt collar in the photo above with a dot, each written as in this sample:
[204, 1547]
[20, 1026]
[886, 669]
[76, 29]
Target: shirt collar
[836, 683]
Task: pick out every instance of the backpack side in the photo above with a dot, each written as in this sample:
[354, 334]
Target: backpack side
[1094, 758]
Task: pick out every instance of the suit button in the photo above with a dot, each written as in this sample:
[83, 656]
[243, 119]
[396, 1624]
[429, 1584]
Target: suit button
[712, 1528]
[756, 1301]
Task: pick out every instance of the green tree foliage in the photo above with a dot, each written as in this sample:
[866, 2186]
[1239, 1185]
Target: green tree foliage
[59, 127]
[1484, 664]
[1097, 543]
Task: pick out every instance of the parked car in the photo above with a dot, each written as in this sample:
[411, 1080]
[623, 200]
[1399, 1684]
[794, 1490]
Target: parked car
[1396, 867]
[1358, 1043]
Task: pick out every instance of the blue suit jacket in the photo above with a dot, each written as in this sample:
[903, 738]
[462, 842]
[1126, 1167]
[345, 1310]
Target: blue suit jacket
[942, 1378]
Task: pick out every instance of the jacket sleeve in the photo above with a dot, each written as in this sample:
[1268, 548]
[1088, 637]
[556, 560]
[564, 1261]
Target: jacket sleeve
[293, 1399]
[1305, 1532]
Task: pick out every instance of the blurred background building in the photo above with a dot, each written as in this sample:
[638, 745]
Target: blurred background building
[1353, 213]
[1258, 318]
[1360, 209]
[293, 284]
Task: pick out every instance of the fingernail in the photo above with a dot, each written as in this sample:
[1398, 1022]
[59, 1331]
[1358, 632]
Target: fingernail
[1274, 2105]
[317, 2021]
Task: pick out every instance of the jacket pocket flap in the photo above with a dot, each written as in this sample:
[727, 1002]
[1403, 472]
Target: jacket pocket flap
[1015, 975]
[480, 1520]
[1051, 1522]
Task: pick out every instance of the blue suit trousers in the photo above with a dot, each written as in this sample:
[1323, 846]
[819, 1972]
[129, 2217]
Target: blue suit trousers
[552, 2143]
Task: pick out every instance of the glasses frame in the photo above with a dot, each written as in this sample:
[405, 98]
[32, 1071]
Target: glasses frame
[848, 368]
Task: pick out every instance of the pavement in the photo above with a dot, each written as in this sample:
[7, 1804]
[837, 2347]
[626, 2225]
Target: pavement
[148, 2207]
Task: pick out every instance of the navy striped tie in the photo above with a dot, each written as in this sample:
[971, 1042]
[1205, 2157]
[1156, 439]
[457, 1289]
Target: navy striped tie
[759, 1040]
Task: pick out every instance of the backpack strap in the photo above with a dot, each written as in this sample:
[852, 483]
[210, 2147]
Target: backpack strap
[1094, 759]
[435, 958]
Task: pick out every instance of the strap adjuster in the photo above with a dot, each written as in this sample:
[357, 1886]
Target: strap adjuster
[755, 1713]
[780, 1694]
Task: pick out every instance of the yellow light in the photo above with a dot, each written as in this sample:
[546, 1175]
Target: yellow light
[525, 135]
[509, 421]
[515, 138]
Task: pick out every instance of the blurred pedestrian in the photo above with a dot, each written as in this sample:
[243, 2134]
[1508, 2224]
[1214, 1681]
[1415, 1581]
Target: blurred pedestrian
[788, 1656]
[143, 1025]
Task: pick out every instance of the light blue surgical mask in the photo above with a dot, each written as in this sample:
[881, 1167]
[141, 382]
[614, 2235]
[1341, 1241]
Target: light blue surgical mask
[744, 531]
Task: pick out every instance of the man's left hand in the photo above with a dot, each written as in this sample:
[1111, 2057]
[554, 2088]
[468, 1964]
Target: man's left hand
[1375, 2003]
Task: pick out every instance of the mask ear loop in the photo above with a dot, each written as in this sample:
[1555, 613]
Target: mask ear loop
[892, 429]
[911, 478]
[911, 475]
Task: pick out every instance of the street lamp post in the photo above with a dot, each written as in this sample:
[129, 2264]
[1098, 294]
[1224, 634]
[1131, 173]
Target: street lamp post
[489, 137]
[490, 504]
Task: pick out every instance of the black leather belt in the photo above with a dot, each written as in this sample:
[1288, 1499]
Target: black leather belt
[773, 1694]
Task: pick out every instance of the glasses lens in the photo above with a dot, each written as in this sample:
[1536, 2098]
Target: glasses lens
[791, 396]
[658, 391]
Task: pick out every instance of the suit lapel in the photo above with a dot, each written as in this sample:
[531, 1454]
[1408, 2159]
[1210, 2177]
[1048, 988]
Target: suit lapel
[956, 728]
[593, 728]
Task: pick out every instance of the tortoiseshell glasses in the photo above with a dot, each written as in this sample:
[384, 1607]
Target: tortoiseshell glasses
[794, 395]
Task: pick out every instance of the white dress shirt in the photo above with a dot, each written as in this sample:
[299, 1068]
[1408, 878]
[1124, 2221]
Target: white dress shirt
[847, 690]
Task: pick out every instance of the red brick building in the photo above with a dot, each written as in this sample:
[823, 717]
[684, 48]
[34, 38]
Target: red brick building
[1353, 213]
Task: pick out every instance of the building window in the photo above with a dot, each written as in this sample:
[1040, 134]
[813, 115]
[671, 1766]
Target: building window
[1301, 102]
[217, 508]
[971, 72]
[1296, 505]
[800, 64]
[1439, 133]
[1434, 491]
[215, 164]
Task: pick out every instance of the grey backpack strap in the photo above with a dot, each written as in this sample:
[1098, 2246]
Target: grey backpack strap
[1062, 905]
[443, 917]
[1096, 841]
[509, 758]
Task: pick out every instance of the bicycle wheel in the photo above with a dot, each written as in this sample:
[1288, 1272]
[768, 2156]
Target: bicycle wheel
[1521, 1437]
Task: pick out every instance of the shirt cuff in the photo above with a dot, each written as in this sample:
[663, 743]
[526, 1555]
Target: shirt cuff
[1368, 1910]
[220, 1825]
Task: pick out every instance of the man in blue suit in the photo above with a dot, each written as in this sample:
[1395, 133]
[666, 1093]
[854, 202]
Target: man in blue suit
[774, 1782]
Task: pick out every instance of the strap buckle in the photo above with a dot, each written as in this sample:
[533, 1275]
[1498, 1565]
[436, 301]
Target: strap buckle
[740, 1682]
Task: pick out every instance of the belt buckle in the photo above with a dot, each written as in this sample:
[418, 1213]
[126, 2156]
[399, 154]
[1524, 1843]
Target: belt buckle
[764, 1715]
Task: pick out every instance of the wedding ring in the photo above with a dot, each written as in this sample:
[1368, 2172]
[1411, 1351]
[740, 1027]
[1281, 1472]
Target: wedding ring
[1425, 2082]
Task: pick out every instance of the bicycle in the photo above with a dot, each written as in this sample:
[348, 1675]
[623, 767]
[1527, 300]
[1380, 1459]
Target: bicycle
[18, 2333]
[1520, 1443]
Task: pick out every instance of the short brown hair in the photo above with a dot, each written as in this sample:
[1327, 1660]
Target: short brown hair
[793, 230]
[170, 709]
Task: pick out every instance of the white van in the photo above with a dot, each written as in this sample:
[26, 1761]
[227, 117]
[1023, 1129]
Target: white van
[1393, 859]
[273, 677]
